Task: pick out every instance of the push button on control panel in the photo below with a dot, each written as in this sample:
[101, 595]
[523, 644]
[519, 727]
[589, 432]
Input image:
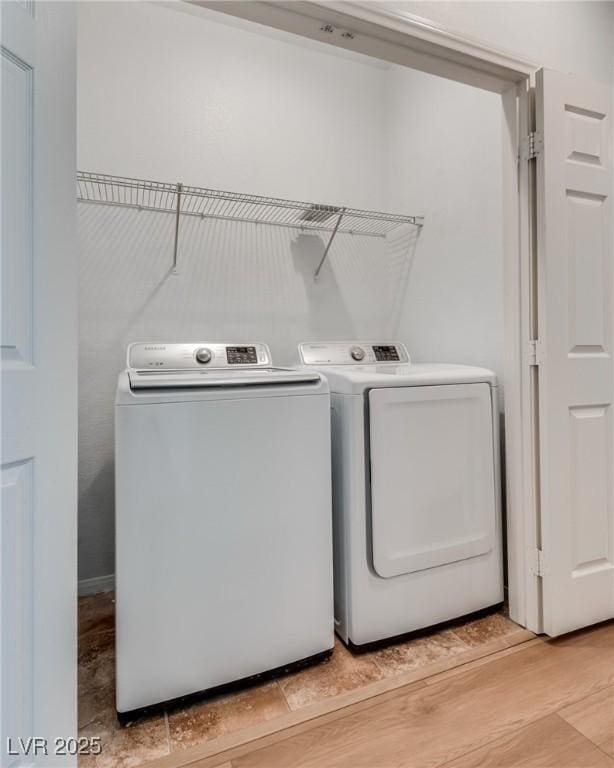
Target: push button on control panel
[203, 355]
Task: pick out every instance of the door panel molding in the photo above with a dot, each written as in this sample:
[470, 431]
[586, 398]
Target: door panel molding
[576, 380]
[38, 536]
[17, 209]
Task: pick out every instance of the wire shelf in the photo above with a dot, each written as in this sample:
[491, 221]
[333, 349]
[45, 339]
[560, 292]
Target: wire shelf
[235, 206]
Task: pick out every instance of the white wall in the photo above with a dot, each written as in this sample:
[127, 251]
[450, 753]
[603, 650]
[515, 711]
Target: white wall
[573, 37]
[163, 92]
[170, 96]
[164, 95]
[445, 158]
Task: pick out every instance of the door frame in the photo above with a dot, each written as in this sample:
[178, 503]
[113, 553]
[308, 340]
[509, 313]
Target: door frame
[411, 41]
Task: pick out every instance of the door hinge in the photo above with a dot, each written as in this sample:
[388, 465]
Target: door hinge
[535, 352]
[531, 146]
[537, 564]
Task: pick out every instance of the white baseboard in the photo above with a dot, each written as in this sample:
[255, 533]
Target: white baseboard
[97, 584]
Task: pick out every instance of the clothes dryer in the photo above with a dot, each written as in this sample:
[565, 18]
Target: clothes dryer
[416, 489]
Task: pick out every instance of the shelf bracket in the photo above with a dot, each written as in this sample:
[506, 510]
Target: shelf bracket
[328, 245]
[177, 217]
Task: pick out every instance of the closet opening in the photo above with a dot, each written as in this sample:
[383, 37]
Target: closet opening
[238, 181]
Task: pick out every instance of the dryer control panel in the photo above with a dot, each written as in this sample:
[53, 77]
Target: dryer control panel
[352, 352]
[197, 355]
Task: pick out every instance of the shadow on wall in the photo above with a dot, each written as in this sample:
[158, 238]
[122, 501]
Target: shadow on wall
[235, 281]
[326, 308]
[145, 303]
[96, 489]
[388, 283]
[402, 245]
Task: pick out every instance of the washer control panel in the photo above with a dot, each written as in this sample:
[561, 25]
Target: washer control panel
[386, 353]
[176, 357]
[241, 355]
[352, 353]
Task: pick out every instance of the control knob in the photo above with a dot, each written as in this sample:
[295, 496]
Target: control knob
[203, 355]
[357, 353]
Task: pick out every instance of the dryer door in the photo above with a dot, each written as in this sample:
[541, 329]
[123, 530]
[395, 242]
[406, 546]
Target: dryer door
[432, 476]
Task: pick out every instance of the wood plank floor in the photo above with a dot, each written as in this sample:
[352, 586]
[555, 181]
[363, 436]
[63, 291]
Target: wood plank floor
[224, 722]
[548, 705]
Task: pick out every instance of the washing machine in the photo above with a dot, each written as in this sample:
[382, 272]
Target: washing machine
[416, 489]
[223, 519]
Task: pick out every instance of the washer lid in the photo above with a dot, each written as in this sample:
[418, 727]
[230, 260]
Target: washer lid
[251, 377]
[154, 365]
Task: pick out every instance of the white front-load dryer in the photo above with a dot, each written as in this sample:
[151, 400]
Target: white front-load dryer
[416, 489]
[223, 519]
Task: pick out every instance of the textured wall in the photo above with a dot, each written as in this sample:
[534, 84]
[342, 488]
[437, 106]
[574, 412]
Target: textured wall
[175, 96]
[165, 95]
[445, 158]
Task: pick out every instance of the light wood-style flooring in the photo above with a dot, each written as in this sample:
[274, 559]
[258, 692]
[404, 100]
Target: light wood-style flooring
[227, 720]
[542, 704]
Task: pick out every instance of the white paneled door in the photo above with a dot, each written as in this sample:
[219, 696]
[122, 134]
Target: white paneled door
[39, 396]
[576, 383]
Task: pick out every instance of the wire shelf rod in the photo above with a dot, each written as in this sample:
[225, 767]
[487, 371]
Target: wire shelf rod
[182, 200]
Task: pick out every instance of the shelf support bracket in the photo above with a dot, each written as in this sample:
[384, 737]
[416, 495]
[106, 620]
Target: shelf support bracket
[177, 217]
[328, 245]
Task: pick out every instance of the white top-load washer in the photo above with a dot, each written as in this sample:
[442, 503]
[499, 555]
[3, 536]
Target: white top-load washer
[223, 519]
[416, 497]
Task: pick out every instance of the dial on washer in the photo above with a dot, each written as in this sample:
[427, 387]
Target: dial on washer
[357, 353]
[203, 355]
